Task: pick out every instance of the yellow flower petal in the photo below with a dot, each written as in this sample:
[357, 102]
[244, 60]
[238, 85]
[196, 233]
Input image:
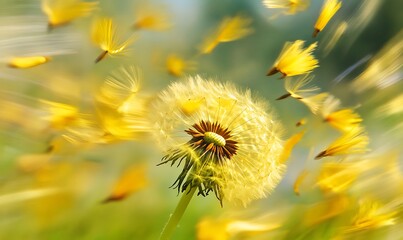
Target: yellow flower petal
[294, 60]
[289, 145]
[353, 141]
[64, 11]
[132, 180]
[290, 6]
[330, 7]
[231, 29]
[27, 62]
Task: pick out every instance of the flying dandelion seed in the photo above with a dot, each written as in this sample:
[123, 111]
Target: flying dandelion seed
[294, 60]
[330, 7]
[289, 6]
[27, 62]
[231, 29]
[61, 12]
[105, 35]
[230, 145]
[151, 18]
[353, 141]
[177, 66]
[295, 88]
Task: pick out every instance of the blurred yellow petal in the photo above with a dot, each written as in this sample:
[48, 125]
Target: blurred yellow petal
[372, 215]
[351, 142]
[132, 180]
[27, 62]
[151, 18]
[329, 8]
[177, 66]
[331, 207]
[294, 60]
[59, 115]
[337, 177]
[289, 145]
[392, 107]
[230, 29]
[64, 11]
[344, 120]
[290, 6]
[384, 69]
[301, 177]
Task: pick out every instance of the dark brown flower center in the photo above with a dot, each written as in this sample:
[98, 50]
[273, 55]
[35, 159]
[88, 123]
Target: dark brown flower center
[213, 139]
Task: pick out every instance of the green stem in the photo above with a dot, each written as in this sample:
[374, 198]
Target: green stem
[174, 219]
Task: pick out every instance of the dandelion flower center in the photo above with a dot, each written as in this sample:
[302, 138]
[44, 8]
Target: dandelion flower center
[216, 139]
[212, 138]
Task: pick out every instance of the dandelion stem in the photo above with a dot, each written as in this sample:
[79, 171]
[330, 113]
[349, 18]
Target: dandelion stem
[177, 214]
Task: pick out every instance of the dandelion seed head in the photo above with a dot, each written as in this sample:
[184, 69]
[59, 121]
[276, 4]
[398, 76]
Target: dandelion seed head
[228, 145]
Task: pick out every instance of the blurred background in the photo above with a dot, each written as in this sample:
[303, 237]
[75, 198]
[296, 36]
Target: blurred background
[55, 189]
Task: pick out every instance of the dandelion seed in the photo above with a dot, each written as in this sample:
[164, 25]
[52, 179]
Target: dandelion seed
[301, 122]
[151, 18]
[230, 29]
[354, 141]
[27, 62]
[329, 8]
[289, 6]
[372, 215]
[294, 60]
[104, 34]
[295, 88]
[315, 102]
[230, 146]
[121, 88]
[177, 66]
[61, 12]
[132, 180]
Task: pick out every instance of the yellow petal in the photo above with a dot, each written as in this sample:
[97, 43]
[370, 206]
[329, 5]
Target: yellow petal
[330, 7]
[27, 62]
[132, 180]
[64, 11]
[231, 29]
[289, 145]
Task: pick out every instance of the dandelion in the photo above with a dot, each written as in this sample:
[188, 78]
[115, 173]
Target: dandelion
[329, 8]
[61, 12]
[177, 66]
[27, 62]
[294, 60]
[290, 6]
[104, 34]
[354, 141]
[230, 29]
[229, 146]
[295, 88]
[151, 18]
